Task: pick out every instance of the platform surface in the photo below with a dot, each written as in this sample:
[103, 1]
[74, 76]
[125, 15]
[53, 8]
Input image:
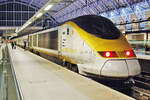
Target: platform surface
[40, 79]
[143, 55]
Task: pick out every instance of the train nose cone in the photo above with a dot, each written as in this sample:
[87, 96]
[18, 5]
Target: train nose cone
[115, 68]
[133, 67]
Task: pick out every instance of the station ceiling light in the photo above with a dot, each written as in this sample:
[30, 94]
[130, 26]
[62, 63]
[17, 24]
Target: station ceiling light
[29, 22]
[39, 15]
[48, 7]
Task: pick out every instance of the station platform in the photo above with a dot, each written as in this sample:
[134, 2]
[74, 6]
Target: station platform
[40, 79]
[143, 55]
[144, 60]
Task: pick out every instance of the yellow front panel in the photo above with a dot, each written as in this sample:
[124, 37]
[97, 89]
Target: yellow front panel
[99, 44]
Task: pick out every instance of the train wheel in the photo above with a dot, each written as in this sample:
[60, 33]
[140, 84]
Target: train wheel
[75, 68]
[58, 61]
[64, 64]
[69, 65]
[54, 59]
[38, 53]
[32, 50]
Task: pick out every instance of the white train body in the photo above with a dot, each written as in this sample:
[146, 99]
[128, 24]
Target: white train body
[88, 52]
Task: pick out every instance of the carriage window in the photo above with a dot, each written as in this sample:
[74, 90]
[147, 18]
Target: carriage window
[67, 31]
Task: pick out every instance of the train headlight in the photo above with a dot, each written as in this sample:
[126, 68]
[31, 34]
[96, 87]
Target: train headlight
[108, 54]
[129, 53]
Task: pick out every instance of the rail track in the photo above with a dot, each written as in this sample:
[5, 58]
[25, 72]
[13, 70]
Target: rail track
[141, 90]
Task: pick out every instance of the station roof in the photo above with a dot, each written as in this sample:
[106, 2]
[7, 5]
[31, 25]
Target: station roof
[35, 3]
[68, 9]
[87, 6]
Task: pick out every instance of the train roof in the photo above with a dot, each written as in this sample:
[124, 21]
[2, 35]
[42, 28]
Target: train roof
[98, 26]
[89, 18]
[85, 17]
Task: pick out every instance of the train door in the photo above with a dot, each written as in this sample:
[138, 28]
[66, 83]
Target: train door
[28, 41]
[62, 40]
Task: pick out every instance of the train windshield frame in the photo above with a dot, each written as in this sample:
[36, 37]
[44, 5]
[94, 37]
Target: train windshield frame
[98, 26]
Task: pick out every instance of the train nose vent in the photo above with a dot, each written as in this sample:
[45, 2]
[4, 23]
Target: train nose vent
[120, 54]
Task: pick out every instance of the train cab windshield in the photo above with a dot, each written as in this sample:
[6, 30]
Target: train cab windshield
[98, 26]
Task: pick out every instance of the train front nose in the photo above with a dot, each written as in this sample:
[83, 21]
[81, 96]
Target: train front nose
[120, 68]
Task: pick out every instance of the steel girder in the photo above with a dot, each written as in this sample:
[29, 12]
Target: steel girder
[112, 9]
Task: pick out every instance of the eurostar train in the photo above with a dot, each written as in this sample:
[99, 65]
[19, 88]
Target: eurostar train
[90, 45]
